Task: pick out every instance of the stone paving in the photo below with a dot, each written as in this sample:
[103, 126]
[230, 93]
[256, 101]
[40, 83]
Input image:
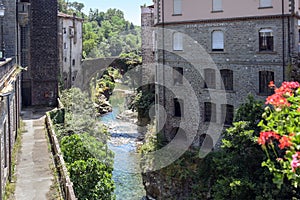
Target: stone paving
[34, 175]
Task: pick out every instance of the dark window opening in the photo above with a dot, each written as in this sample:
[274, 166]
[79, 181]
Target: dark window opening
[266, 40]
[227, 114]
[73, 62]
[265, 77]
[210, 78]
[210, 112]
[227, 78]
[206, 142]
[178, 107]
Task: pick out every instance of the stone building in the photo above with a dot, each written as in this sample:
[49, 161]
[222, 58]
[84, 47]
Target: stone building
[38, 48]
[220, 51]
[9, 92]
[70, 47]
[208, 56]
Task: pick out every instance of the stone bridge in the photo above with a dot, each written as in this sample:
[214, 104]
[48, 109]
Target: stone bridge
[90, 68]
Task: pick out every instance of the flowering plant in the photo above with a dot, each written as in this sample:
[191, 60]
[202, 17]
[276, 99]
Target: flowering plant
[280, 135]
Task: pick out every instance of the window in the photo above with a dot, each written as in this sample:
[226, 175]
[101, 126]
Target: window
[65, 59]
[177, 7]
[209, 112]
[178, 75]
[265, 3]
[217, 5]
[65, 45]
[64, 30]
[264, 79]
[217, 41]
[206, 142]
[210, 78]
[266, 40]
[178, 107]
[73, 62]
[227, 78]
[227, 113]
[177, 42]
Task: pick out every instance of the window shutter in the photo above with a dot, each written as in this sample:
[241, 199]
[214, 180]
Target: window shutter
[177, 42]
[218, 40]
[265, 3]
[217, 5]
[177, 6]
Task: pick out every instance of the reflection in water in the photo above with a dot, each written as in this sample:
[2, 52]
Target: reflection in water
[123, 134]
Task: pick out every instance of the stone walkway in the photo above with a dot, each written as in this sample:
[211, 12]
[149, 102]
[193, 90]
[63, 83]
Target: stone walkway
[34, 176]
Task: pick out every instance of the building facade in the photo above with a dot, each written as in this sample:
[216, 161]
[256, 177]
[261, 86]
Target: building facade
[70, 48]
[9, 92]
[39, 52]
[220, 51]
[209, 56]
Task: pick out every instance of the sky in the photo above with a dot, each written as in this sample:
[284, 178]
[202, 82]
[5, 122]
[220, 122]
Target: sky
[131, 8]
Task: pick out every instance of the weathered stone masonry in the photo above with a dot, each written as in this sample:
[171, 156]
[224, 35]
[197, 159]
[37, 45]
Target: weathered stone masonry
[40, 86]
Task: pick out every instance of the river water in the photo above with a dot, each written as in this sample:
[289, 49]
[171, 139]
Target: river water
[126, 174]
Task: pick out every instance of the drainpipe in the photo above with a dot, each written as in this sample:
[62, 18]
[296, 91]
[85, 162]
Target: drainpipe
[163, 49]
[9, 138]
[283, 41]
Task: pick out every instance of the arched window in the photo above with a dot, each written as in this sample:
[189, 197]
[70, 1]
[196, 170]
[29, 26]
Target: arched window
[227, 78]
[177, 42]
[217, 41]
[266, 40]
[178, 107]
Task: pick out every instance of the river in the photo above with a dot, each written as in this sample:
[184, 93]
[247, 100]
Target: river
[126, 174]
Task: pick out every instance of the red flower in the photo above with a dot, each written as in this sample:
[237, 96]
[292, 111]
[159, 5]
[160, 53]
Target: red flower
[271, 84]
[279, 98]
[284, 142]
[266, 136]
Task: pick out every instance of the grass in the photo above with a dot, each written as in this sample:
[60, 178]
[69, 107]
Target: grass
[11, 186]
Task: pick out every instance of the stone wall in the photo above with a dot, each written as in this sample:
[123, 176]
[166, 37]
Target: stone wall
[9, 118]
[40, 81]
[241, 55]
[10, 28]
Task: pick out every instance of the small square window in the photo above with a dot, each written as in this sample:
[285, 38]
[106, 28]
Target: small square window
[217, 5]
[265, 3]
